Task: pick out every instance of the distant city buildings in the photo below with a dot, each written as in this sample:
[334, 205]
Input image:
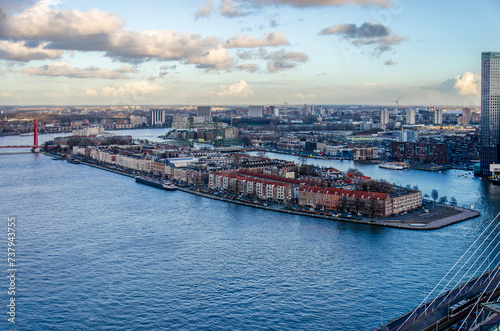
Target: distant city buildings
[438, 116]
[466, 116]
[138, 120]
[364, 153]
[255, 111]
[384, 117]
[205, 112]
[406, 136]
[410, 116]
[419, 153]
[490, 110]
[157, 117]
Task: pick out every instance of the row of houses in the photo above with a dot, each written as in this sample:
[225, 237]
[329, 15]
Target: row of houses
[173, 168]
[258, 185]
[359, 202]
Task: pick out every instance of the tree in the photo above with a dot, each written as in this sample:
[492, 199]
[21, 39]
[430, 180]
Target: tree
[343, 204]
[262, 153]
[380, 186]
[247, 141]
[416, 188]
[434, 195]
[443, 200]
[357, 205]
[426, 196]
[373, 209]
[453, 201]
[354, 171]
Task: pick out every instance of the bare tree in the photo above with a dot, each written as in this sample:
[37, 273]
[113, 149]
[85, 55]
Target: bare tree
[435, 195]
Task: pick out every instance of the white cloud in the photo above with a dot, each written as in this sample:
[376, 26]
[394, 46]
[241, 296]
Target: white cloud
[213, 59]
[205, 10]
[269, 39]
[5, 94]
[18, 51]
[42, 32]
[235, 8]
[40, 22]
[281, 60]
[66, 70]
[240, 89]
[133, 89]
[468, 84]
[230, 9]
[238, 8]
[91, 92]
[321, 3]
[304, 96]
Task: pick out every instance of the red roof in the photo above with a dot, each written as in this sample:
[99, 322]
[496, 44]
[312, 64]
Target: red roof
[347, 193]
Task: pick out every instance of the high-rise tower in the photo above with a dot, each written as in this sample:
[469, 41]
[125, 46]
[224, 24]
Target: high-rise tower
[410, 116]
[490, 110]
[438, 116]
[384, 117]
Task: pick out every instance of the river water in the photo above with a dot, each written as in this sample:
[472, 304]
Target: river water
[95, 250]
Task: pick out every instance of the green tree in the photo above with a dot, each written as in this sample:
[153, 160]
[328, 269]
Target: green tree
[443, 200]
[453, 201]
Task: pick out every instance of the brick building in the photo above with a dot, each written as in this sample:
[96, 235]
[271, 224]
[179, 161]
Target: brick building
[418, 152]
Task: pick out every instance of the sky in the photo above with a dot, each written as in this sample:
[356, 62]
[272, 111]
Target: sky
[244, 52]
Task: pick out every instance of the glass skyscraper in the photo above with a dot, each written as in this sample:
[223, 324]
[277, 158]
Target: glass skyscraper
[490, 110]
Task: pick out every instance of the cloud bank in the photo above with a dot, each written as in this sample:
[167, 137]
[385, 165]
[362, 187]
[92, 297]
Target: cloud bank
[66, 70]
[41, 32]
[374, 34]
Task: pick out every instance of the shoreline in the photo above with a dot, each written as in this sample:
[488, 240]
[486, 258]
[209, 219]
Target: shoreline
[398, 222]
[439, 216]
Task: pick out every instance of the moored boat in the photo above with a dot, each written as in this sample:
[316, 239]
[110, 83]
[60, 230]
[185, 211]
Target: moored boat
[155, 183]
[169, 187]
[391, 165]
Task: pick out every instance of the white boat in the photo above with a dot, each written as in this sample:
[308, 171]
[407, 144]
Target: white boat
[27, 134]
[390, 165]
[169, 186]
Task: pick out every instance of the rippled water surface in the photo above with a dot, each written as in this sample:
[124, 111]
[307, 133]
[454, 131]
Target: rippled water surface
[98, 251]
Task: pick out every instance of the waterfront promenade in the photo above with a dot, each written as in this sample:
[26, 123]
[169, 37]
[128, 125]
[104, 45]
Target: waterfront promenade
[438, 216]
[435, 215]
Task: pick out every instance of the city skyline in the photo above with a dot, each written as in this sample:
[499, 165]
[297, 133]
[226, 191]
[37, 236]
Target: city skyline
[235, 52]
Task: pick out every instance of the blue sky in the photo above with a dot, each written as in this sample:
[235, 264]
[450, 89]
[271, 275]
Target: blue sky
[244, 52]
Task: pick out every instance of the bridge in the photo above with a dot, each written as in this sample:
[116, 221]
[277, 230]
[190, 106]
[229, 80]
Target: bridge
[35, 148]
[470, 304]
[451, 308]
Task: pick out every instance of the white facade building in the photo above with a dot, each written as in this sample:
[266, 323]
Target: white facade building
[255, 111]
[384, 117]
[157, 117]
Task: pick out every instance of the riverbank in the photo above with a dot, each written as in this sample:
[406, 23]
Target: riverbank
[435, 216]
